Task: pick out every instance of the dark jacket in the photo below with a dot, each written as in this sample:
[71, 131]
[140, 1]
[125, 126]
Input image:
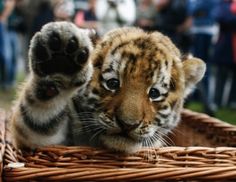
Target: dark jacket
[225, 48]
[201, 11]
[170, 18]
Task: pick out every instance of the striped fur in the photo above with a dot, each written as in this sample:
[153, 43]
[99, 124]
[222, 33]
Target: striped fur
[126, 95]
[124, 117]
[59, 68]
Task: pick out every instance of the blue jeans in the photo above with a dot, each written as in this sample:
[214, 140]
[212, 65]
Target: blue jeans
[4, 56]
[13, 48]
[8, 56]
[201, 48]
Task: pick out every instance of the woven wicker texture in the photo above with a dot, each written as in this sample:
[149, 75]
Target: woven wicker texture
[60, 163]
[2, 141]
[201, 130]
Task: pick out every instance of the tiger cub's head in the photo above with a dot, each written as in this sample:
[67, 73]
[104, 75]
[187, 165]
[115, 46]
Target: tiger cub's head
[138, 88]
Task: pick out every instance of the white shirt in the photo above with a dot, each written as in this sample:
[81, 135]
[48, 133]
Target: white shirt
[107, 16]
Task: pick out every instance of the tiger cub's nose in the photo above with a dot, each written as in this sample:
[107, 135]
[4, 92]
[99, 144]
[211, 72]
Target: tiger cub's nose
[127, 125]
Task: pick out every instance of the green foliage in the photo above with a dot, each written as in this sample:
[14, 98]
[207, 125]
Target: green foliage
[224, 114]
[7, 96]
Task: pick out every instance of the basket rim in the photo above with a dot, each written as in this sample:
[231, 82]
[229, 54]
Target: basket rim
[87, 163]
[173, 163]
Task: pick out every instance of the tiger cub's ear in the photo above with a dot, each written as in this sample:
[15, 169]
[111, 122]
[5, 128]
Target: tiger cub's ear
[194, 70]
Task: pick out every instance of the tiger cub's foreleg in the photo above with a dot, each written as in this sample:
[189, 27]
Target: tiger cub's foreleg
[59, 66]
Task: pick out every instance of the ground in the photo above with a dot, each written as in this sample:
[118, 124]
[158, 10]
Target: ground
[224, 114]
[7, 97]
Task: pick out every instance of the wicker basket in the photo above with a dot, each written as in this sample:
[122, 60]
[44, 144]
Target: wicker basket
[212, 156]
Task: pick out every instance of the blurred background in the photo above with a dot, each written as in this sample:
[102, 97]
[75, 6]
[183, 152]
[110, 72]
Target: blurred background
[206, 29]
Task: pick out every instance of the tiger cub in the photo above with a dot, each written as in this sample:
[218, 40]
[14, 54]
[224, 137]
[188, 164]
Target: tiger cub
[137, 91]
[59, 67]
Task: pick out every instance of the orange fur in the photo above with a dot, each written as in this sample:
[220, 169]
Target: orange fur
[140, 61]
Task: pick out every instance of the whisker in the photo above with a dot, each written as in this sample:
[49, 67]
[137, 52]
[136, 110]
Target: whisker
[96, 134]
[177, 131]
[159, 138]
[149, 149]
[153, 147]
[146, 155]
[162, 140]
[170, 141]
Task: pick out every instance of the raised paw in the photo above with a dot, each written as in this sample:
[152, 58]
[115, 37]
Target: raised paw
[59, 48]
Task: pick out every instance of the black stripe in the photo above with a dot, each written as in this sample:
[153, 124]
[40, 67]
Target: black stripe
[165, 94]
[163, 99]
[46, 128]
[142, 43]
[108, 70]
[85, 107]
[95, 91]
[164, 115]
[74, 99]
[157, 121]
[165, 85]
[166, 63]
[77, 106]
[118, 47]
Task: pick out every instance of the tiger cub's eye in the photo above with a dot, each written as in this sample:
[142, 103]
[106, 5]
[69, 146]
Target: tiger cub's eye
[154, 93]
[113, 84]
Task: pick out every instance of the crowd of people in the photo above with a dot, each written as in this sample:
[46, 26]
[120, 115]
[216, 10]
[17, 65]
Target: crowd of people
[205, 29]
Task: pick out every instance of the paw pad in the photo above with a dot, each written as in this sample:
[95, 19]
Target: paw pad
[61, 48]
[46, 90]
[54, 42]
[41, 52]
[82, 56]
[72, 45]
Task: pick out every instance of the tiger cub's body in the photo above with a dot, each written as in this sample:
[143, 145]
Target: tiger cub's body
[133, 98]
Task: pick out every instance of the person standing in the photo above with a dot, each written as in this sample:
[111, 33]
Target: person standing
[146, 13]
[6, 9]
[224, 56]
[15, 26]
[203, 29]
[87, 18]
[114, 13]
[173, 20]
[63, 10]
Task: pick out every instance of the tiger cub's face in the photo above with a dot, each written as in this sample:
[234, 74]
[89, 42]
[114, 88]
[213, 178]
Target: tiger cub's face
[138, 88]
